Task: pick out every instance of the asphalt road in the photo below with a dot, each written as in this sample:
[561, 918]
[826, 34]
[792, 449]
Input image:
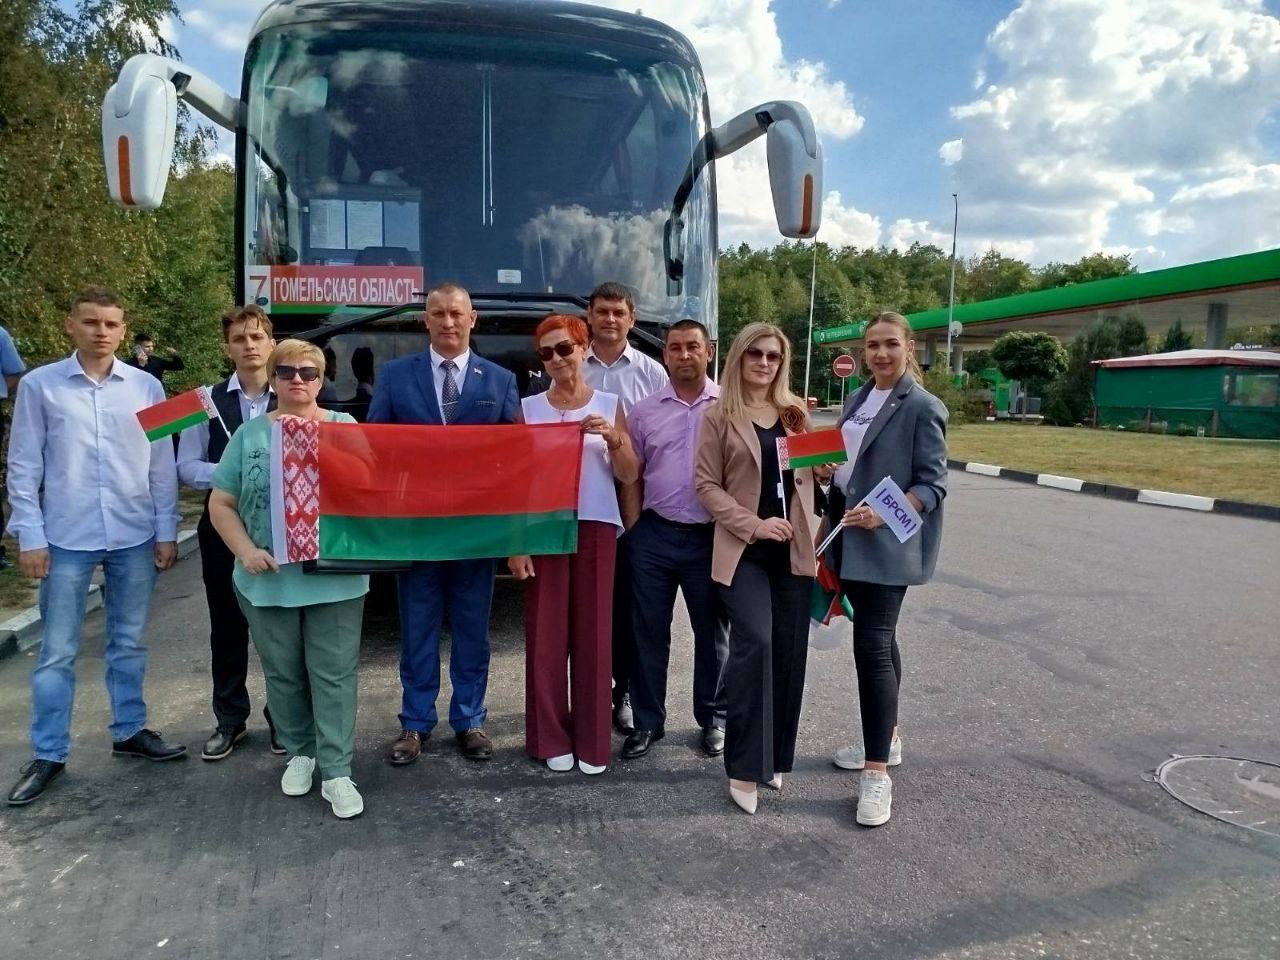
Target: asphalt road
[1067, 647]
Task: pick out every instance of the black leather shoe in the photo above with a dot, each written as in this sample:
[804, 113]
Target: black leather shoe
[624, 720]
[276, 746]
[638, 744]
[148, 745]
[713, 741]
[36, 775]
[474, 744]
[222, 743]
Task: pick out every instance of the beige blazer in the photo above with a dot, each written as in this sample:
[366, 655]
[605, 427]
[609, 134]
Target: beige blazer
[726, 475]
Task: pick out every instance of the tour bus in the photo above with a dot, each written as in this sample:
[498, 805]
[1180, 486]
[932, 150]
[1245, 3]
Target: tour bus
[526, 150]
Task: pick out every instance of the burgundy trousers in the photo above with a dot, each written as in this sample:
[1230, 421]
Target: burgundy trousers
[568, 649]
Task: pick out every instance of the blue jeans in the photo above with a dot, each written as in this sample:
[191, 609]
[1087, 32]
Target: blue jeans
[129, 575]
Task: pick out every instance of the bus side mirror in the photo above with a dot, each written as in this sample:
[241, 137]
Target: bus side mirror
[139, 118]
[795, 179]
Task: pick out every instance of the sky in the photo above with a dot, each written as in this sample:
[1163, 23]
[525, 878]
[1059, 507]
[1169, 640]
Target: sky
[1064, 127]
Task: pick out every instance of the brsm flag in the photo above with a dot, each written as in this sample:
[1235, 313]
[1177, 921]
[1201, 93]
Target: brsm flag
[399, 492]
[893, 507]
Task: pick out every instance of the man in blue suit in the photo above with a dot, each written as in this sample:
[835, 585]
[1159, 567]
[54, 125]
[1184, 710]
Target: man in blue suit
[445, 384]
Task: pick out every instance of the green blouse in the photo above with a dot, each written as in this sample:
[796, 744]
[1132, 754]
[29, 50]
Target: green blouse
[245, 472]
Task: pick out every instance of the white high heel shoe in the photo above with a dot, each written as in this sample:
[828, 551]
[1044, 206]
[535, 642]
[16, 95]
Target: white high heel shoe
[745, 799]
[775, 783]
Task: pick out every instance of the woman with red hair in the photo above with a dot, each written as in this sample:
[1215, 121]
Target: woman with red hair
[569, 611]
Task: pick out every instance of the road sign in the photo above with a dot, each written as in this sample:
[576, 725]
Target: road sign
[843, 366]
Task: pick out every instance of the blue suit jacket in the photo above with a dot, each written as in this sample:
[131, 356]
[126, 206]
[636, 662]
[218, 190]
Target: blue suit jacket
[405, 393]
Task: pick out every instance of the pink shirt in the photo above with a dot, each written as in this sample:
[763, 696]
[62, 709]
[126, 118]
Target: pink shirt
[664, 431]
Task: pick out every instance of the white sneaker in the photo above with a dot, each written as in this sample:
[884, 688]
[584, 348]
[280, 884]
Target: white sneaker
[875, 798]
[561, 763]
[343, 796]
[854, 757]
[298, 776]
[589, 768]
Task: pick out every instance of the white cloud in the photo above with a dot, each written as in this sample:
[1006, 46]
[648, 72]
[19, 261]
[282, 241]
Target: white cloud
[951, 152]
[1099, 124]
[229, 34]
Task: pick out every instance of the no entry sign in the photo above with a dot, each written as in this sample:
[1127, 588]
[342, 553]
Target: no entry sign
[843, 366]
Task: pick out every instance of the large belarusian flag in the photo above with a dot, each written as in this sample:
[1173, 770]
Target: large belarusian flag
[397, 492]
[177, 413]
[811, 449]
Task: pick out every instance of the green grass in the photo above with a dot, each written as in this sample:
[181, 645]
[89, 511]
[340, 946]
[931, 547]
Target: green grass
[1231, 469]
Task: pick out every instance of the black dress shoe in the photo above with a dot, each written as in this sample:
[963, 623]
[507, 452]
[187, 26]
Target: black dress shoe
[36, 775]
[624, 720]
[638, 744]
[475, 745]
[222, 743]
[276, 746]
[713, 741]
[148, 745]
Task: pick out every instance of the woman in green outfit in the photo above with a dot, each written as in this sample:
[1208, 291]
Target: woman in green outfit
[306, 629]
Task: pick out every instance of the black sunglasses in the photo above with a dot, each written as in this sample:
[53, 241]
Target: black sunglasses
[772, 356]
[564, 348]
[287, 372]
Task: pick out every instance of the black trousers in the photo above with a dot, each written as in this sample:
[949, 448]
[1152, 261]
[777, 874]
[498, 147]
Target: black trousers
[876, 659]
[667, 556]
[228, 631]
[623, 635]
[768, 648]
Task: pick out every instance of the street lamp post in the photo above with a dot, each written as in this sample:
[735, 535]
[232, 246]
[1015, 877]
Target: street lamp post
[951, 299]
[808, 344]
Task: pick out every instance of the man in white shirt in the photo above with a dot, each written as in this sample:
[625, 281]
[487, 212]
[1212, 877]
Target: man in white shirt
[247, 341]
[616, 367]
[86, 487]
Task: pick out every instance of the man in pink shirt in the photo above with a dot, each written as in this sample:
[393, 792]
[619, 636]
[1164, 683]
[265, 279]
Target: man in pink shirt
[671, 548]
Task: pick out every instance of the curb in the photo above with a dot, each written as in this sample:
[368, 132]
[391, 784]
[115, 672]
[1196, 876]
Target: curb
[1159, 498]
[20, 633]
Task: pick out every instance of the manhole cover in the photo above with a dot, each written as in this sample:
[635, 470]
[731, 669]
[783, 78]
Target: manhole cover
[1232, 789]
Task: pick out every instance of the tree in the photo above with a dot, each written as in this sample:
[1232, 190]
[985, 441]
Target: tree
[1033, 359]
[1070, 401]
[1175, 339]
[994, 275]
[59, 231]
[1096, 266]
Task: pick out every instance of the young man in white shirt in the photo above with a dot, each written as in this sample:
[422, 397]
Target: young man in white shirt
[114, 503]
[616, 367]
[247, 340]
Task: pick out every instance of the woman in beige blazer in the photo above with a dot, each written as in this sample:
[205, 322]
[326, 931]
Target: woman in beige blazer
[762, 556]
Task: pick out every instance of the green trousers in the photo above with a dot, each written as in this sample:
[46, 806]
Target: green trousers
[309, 657]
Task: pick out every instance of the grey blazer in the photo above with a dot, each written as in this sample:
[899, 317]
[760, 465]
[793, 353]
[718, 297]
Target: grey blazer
[907, 441]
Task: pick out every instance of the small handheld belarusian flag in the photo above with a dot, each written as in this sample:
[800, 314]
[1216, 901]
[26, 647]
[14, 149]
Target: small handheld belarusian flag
[177, 413]
[811, 449]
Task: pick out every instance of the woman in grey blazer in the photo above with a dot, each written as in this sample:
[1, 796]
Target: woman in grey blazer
[892, 427]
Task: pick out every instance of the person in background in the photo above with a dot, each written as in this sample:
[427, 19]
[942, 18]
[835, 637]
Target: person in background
[362, 370]
[11, 368]
[892, 427]
[671, 548]
[328, 392]
[246, 394]
[762, 555]
[616, 367]
[568, 607]
[82, 497]
[446, 384]
[306, 629]
[144, 357]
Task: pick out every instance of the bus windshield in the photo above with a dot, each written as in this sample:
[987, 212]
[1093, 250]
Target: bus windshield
[380, 161]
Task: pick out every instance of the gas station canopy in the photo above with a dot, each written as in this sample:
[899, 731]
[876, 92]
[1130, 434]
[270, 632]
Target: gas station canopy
[1208, 297]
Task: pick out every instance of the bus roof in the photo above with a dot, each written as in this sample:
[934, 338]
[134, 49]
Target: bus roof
[482, 16]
